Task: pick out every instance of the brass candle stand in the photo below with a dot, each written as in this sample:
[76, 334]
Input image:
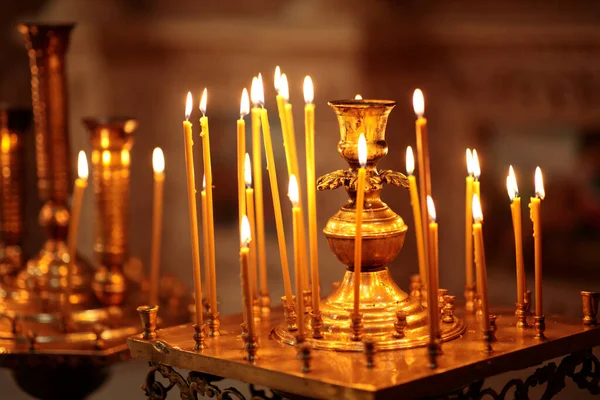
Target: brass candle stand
[383, 238]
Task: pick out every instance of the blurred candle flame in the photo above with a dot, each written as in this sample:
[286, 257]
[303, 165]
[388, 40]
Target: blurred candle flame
[188, 106]
[476, 166]
[539, 184]
[511, 184]
[410, 161]
[362, 150]
[431, 209]
[309, 91]
[244, 104]
[158, 160]
[82, 165]
[293, 190]
[203, 101]
[477, 213]
[418, 103]
[248, 172]
[246, 235]
[284, 88]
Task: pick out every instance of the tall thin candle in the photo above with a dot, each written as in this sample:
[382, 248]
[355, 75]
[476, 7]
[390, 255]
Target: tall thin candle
[433, 257]
[535, 214]
[476, 174]
[246, 239]
[416, 207]
[515, 209]
[469, 222]
[252, 221]
[158, 165]
[241, 153]
[293, 195]
[482, 286]
[360, 200]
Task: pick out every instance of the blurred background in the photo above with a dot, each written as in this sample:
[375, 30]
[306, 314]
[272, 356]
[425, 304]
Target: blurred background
[518, 81]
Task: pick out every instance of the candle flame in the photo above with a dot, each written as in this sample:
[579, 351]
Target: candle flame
[254, 95]
[246, 235]
[476, 166]
[277, 80]
[418, 103]
[158, 160]
[362, 150]
[188, 106]
[539, 184]
[261, 90]
[284, 88]
[469, 162]
[106, 157]
[293, 190]
[248, 172]
[477, 213]
[431, 209]
[244, 104]
[358, 97]
[82, 165]
[410, 161]
[511, 184]
[203, 101]
[203, 182]
[309, 90]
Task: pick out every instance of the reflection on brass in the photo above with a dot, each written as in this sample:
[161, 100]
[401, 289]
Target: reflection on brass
[46, 273]
[111, 139]
[448, 309]
[589, 303]
[14, 123]
[148, 315]
[307, 301]
[521, 316]
[539, 324]
[213, 324]
[316, 323]
[415, 286]
[199, 338]
[290, 313]
[369, 350]
[470, 298]
[356, 327]
[265, 304]
[400, 324]
[441, 294]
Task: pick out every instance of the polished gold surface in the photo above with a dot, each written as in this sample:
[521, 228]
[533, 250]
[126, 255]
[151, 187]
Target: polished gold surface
[343, 375]
[589, 303]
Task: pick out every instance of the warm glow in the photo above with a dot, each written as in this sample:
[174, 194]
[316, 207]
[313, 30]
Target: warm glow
[261, 90]
[410, 161]
[203, 101]
[469, 162]
[5, 143]
[431, 209]
[362, 150]
[254, 96]
[158, 160]
[188, 106]
[358, 97]
[309, 90]
[246, 235]
[125, 157]
[476, 166]
[293, 190]
[284, 88]
[244, 104]
[418, 103]
[539, 184]
[477, 214]
[82, 165]
[106, 157]
[511, 184]
[277, 80]
[248, 172]
[104, 140]
[203, 183]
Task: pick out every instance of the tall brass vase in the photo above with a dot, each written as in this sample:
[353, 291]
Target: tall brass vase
[47, 272]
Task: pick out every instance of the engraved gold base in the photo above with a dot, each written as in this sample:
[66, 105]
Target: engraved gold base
[380, 299]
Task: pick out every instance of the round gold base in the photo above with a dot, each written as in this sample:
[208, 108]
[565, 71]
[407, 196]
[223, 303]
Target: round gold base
[381, 298]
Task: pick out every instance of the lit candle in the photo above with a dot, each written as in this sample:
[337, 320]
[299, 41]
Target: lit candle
[416, 207]
[252, 221]
[158, 165]
[241, 153]
[266, 130]
[480, 263]
[433, 257]
[360, 200]
[476, 174]
[257, 100]
[191, 185]
[293, 195]
[206, 242]
[469, 221]
[79, 187]
[358, 97]
[515, 209]
[211, 269]
[535, 205]
[246, 239]
[281, 110]
[309, 128]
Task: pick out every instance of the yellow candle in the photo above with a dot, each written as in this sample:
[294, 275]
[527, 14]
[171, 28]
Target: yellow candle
[191, 184]
[210, 222]
[433, 257]
[281, 110]
[535, 206]
[258, 185]
[515, 209]
[79, 188]
[480, 263]
[158, 165]
[252, 221]
[266, 130]
[360, 200]
[416, 207]
[476, 174]
[293, 194]
[241, 153]
[206, 241]
[309, 128]
[246, 239]
[469, 221]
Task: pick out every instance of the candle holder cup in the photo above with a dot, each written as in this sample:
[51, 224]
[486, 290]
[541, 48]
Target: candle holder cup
[589, 304]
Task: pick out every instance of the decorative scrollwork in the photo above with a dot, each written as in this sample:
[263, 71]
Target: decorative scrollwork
[333, 180]
[583, 368]
[347, 178]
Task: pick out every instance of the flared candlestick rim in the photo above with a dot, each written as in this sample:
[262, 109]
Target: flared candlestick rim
[366, 103]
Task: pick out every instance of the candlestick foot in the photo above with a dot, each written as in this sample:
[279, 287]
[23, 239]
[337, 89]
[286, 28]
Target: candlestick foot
[448, 309]
[369, 348]
[199, 338]
[441, 301]
[521, 316]
[416, 286]
[470, 298]
[213, 325]
[540, 326]
[304, 356]
[356, 327]
[251, 347]
[478, 305]
[265, 303]
[307, 300]
[316, 324]
[256, 309]
[289, 311]
[400, 324]
[149, 316]
[589, 302]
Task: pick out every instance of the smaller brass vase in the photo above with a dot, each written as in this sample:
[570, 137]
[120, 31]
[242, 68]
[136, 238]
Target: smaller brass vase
[111, 139]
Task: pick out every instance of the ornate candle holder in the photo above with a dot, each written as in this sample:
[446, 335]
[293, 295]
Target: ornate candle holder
[383, 238]
[46, 273]
[13, 125]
